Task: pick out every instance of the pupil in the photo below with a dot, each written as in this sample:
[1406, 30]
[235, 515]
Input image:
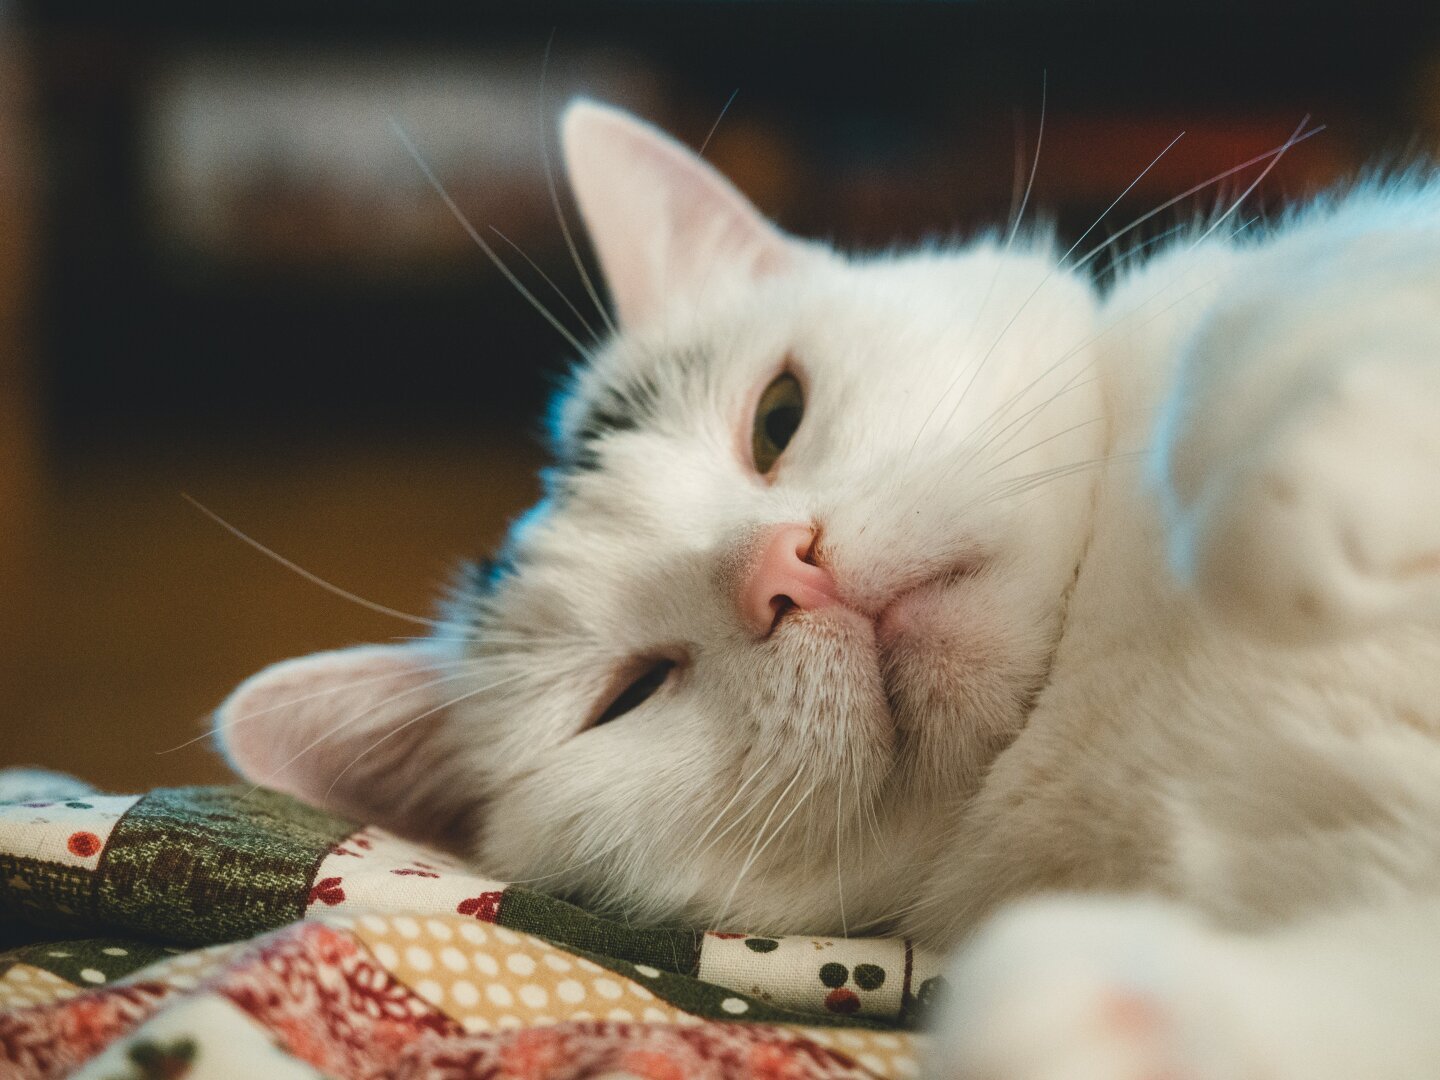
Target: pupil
[780, 424]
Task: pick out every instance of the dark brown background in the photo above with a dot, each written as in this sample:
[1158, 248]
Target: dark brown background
[361, 399]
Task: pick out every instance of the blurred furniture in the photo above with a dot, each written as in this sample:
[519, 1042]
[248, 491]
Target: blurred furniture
[251, 244]
[18, 434]
[222, 275]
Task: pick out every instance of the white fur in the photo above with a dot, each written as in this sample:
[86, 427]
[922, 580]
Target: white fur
[1188, 648]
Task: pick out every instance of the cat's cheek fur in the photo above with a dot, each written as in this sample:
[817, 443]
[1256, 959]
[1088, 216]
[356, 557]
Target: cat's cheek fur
[654, 816]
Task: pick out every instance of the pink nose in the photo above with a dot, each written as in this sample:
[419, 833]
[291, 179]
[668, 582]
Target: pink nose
[782, 577]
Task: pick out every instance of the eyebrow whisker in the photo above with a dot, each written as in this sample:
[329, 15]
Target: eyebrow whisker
[313, 578]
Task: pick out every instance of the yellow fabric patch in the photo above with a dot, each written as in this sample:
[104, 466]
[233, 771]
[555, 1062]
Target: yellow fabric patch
[488, 977]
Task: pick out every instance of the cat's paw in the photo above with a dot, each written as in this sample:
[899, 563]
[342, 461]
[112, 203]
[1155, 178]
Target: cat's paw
[1326, 521]
[1082, 989]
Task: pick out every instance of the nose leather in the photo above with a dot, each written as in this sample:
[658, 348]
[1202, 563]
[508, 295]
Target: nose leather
[781, 577]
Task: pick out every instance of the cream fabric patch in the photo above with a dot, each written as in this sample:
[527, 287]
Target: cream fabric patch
[884, 978]
[371, 870]
[204, 1038]
[71, 832]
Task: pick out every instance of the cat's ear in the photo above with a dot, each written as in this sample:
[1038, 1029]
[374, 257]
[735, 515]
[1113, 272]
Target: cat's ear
[662, 221]
[359, 732]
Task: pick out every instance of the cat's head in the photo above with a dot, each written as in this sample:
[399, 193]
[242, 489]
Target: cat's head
[800, 570]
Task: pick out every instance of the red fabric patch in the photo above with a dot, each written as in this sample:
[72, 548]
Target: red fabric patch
[588, 1048]
[842, 1001]
[414, 873]
[83, 844]
[485, 907]
[653, 1065]
[326, 1002]
[54, 1040]
[327, 891]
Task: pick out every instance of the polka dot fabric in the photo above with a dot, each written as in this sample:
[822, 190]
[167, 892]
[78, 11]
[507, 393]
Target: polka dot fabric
[492, 978]
[253, 928]
[23, 986]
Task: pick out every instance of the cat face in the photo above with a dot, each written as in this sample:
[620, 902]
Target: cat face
[799, 572]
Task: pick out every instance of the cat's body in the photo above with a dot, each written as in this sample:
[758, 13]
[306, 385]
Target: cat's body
[1236, 715]
[1031, 589]
[1242, 716]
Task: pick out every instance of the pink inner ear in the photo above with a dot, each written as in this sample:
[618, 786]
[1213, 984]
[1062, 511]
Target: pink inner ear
[663, 222]
[346, 731]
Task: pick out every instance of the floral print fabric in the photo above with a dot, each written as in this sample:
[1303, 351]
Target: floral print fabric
[247, 935]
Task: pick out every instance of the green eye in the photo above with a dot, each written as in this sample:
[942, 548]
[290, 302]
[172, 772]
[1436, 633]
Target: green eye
[776, 419]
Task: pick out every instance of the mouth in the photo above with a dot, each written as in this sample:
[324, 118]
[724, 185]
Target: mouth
[897, 632]
[904, 620]
[903, 616]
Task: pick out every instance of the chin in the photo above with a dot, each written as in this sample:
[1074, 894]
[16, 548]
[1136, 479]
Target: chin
[960, 680]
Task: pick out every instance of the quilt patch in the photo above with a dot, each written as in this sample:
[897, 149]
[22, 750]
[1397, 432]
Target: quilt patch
[225, 931]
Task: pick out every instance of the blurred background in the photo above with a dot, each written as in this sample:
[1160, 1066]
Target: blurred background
[220, 273]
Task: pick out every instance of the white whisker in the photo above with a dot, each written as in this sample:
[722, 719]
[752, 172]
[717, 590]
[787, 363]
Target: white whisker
[416, 719]
[585, 280]
[1168, 203]
[314, 579]
[1035, 163]
[716, 126]
[474, 234]
[723, 810]
[548, 281]
[757, 848]
[376, 707]
[237, 721]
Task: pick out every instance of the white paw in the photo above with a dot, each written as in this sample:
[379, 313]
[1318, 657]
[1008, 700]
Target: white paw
[1327, 520]
[1080, 989]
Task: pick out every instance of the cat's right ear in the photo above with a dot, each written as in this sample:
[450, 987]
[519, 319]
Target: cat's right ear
[664, 224]
[360, 732]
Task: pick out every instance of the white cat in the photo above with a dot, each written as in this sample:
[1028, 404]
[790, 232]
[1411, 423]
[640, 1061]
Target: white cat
[878, 593]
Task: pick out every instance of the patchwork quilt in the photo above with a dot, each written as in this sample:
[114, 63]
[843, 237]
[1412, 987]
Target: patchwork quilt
[232, 932]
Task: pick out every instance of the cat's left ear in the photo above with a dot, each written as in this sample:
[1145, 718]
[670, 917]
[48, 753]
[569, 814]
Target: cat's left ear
[662, 221]
[362, 732]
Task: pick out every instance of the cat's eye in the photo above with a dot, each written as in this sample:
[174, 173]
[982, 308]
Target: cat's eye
[637, 689]
[777, 417]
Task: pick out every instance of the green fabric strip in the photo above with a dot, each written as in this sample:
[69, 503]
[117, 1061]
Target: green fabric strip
[90, 962]
[14, 934]
[206, 865]
[668, 949]
[714, 1002]
[47, 894]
